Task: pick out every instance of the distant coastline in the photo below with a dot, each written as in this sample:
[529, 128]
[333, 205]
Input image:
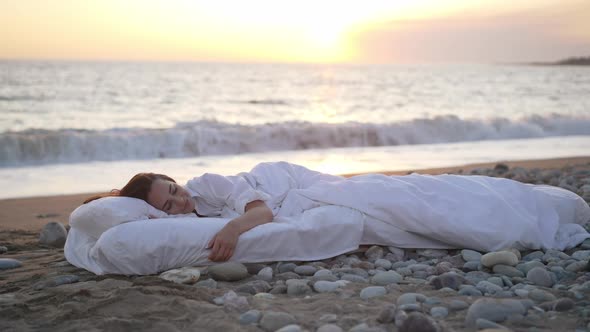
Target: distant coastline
[573, 61]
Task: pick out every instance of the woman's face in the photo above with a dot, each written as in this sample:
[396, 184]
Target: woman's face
[170, 197]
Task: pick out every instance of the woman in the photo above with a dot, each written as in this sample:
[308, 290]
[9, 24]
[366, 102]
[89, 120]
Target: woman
[412, 211]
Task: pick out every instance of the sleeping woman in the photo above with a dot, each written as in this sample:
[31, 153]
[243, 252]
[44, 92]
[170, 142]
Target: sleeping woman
[411, 211]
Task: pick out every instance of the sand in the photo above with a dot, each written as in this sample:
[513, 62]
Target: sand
[149, 303]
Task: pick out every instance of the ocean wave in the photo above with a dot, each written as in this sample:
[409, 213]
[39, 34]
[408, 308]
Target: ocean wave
[191, 139]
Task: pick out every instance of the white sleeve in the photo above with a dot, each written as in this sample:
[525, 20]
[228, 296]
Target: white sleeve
[218, 191]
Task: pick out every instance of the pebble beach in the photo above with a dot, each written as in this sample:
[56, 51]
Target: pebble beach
[372, 289]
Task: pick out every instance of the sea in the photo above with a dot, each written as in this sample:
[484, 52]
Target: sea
[80, 127]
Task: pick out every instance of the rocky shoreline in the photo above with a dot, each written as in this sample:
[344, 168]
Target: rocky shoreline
[373, 289]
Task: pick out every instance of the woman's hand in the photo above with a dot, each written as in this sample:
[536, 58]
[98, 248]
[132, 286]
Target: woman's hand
[222, 245]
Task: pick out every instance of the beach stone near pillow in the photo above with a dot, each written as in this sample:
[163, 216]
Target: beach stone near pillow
[274, 320]
[508, 271]
[526, 267]
[305, 270]
[53, 234]
[265, 274]
[432, 253]
[9, 263]
[539, 276]
[56, 281]
[495, 310]
[386, 278]
[535, 255]
[286, 267]
[374, 253]
[577, 267]
[230, 271]
[499, 257]
[581, 255]
[383, 263]
[417, 321]
[185, 275]
[449, 279]
[372, 291]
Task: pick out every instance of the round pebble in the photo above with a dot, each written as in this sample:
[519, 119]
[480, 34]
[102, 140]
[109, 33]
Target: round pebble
[439, 312]
[305, 270]
[230, 271]
[450, 280]
[290, 328]
[507, 270]
[410, 298]
[265, 274]
[9, 263]
[250, 317]
[273, 320]
[329, 328]
[458, 305]
[386, 278]
[325, 286]
[470, 255]
[540, 276]
[499, 257]
[185, 275]
[418, 322]
[384, 263]
[372, 291]
[53, 234]
[56, 281]
[495, 310]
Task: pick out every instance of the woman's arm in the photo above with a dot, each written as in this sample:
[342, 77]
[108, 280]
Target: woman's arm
[224, 242]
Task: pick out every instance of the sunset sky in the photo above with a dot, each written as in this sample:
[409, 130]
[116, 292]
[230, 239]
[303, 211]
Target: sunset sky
[334, 31]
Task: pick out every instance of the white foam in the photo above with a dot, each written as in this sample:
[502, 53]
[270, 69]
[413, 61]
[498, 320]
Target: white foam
[205, 138]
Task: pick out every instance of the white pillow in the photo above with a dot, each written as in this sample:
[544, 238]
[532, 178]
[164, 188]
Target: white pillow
[95, 217]
[148, 247]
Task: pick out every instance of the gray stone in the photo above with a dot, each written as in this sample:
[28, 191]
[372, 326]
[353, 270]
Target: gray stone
[329, 328]
[496, 310]
[274, 320]
[3, 249]
[577, 267]
[305, 270]
[482, 323]
[526, 267]
[185, 275]
[53, 234]
[265, 274]
[232, 302]
[496, 281]
[470, 255]
[408, 298]
[540, 276]
[533, 255]
[476, 276]
[539, 295]
[410, 307]
[432, 253]
[326, 286]
[457, 305]
[450, 280]
[472, 266]
[254, 287]
[386, 278]
[354, 278]
[418, 322]
[586, 243]
[56, 281]
[374, 253]
[563, 304]
[372, 291]
[384, 263]
[207, 283]
[487, 287]
[298, 288]
[499, 257]
[250, 317]
[581, 255]
[279, 289]
[290, 328]
[387, 314]
[508, 271]
[286, 267]
[9, 263]
[439, 312]
[230, 271]
[469, 290]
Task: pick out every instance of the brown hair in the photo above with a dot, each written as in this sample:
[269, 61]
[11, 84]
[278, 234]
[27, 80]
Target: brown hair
[138, 187]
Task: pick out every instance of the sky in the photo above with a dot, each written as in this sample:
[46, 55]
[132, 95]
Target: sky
[309, 31]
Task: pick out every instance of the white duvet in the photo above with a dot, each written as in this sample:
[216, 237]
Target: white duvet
[319, 216]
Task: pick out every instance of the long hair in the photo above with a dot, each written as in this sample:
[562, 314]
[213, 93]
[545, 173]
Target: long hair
[138, 187]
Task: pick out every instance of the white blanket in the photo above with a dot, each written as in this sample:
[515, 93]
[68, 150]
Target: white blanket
[444, 211]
